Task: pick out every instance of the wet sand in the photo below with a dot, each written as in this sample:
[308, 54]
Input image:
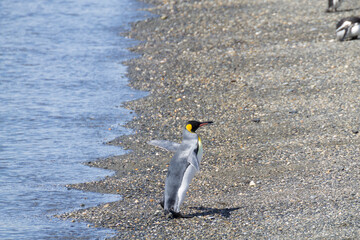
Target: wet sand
[281, 160]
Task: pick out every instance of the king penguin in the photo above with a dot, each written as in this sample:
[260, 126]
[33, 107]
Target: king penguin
[348, 28]
[183, 166]
[333, 5]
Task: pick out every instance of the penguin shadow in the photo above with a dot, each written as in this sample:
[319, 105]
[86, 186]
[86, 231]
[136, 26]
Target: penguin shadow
[343, 10]
[203, 211]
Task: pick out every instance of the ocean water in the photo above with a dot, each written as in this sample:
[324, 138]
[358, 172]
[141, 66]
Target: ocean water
[61, 85]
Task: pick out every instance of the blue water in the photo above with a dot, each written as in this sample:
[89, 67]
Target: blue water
[61, 84]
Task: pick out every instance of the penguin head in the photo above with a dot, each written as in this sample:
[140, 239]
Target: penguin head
[192, 126]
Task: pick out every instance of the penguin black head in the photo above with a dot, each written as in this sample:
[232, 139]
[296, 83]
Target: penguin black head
[192, 126]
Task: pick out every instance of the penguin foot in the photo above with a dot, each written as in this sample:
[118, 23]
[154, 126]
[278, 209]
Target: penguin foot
[178, 215]
[331, 10]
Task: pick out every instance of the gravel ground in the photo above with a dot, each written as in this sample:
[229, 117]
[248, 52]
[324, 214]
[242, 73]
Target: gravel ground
[281, 160]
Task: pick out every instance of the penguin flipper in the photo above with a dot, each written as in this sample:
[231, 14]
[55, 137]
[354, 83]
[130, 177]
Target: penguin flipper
[164, 144]
[192, 159]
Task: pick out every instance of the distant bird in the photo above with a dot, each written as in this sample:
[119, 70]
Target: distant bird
[183, 166]
[348, 28]
[333, 5]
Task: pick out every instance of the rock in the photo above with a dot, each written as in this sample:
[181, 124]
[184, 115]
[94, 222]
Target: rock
[256, 120]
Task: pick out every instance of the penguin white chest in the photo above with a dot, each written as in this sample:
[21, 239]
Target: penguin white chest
[340, 34]
[355, 30]
[200, 150]
[188, 176]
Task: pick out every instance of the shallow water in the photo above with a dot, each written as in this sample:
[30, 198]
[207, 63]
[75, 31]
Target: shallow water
[61, 84]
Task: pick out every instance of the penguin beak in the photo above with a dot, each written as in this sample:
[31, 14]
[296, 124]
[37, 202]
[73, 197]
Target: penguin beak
[205, 123]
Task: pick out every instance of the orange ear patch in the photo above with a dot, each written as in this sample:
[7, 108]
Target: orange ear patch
[189, 127]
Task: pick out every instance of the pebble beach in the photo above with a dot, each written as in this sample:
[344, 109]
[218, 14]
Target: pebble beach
[281, 160]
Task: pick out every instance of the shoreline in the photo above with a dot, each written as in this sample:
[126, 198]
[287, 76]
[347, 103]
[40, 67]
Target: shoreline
[284, 98]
